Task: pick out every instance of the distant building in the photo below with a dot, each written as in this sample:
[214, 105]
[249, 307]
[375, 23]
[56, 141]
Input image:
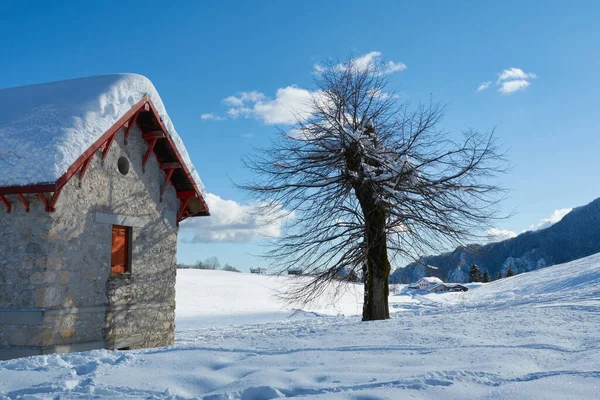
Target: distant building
[259, 270]
[427, 282]
[447, 287]
[295, 271]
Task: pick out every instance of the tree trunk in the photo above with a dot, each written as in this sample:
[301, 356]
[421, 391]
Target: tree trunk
[377, 270]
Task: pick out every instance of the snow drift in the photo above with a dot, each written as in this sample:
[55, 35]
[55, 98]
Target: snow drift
[532, 336]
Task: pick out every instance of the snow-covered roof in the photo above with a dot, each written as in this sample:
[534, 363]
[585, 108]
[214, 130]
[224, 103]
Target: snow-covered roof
[432, 288]
[431, 279]
[453, 285]
[44, 128]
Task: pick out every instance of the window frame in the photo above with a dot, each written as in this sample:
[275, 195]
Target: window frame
[128, 266]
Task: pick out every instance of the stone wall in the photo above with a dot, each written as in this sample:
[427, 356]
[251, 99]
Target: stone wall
[60, 262]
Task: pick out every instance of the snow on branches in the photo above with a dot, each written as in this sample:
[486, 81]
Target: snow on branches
[368, 178]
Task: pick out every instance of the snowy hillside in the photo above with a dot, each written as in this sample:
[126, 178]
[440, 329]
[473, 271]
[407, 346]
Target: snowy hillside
[532, 336]
[208, 299]
[575, 236]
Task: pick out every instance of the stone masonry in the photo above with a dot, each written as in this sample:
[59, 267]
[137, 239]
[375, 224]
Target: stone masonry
[56, 290]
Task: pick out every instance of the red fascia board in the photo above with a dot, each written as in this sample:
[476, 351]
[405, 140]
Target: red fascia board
[174, 148]
[99, 143]
[28, 189]
[146, 104]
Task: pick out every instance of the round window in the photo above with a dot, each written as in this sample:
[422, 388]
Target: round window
[123, 165]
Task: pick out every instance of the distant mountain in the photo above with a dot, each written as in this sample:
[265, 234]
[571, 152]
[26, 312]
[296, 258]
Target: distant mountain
[577, 235]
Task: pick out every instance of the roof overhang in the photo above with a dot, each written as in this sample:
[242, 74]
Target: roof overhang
[160, 143]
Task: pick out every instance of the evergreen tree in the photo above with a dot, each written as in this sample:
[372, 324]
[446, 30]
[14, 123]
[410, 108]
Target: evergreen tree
[499, 276]
[474, 273]
[510, 271]
[486, 276]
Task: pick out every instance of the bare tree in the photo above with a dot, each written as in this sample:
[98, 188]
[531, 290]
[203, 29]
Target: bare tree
[367, 178]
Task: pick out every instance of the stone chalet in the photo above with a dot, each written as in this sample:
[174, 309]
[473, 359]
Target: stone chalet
[94, 183]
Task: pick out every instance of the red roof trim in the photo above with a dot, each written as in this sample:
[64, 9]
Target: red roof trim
[185, 168]
[62, 181]
[129, 118]
[51, 187]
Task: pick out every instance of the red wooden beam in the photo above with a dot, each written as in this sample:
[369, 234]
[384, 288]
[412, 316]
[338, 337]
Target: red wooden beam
[44, 200]
[169, 174]
[149, 151]
[129, 118]
[130, 124]
[170, 165]
[6, 203]
[153, 135]
[27, 189]
[53, 200]
[186, 194]
[174, 148]
[92, 149]
[84, 167]
[24, 201]
[182, 208]
[109, 142]
[185, 215]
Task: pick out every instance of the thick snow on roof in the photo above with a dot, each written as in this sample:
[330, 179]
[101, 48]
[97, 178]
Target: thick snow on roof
[44, 128]
[431, 279]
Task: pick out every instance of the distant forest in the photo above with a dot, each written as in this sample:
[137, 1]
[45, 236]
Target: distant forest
[211, 263]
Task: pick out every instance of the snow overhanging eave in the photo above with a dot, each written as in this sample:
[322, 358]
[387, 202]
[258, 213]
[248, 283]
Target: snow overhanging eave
[192, 201]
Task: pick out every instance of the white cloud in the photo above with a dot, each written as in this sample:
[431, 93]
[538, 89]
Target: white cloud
[391, 67]
[368, 61]
[484, 86]
[319, 69]
[513, 86]
[253, 96]
[233, 101]
[208, 116]
[498, 235]
[510, 80]
[556, 216]
[243, 97]
[511, 74]
[290, 103]
[230, 221]
[239, 112]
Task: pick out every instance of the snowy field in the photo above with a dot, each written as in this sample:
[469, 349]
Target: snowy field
[532, 336]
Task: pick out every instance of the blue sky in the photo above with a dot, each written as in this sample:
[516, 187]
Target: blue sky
[198, 54]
